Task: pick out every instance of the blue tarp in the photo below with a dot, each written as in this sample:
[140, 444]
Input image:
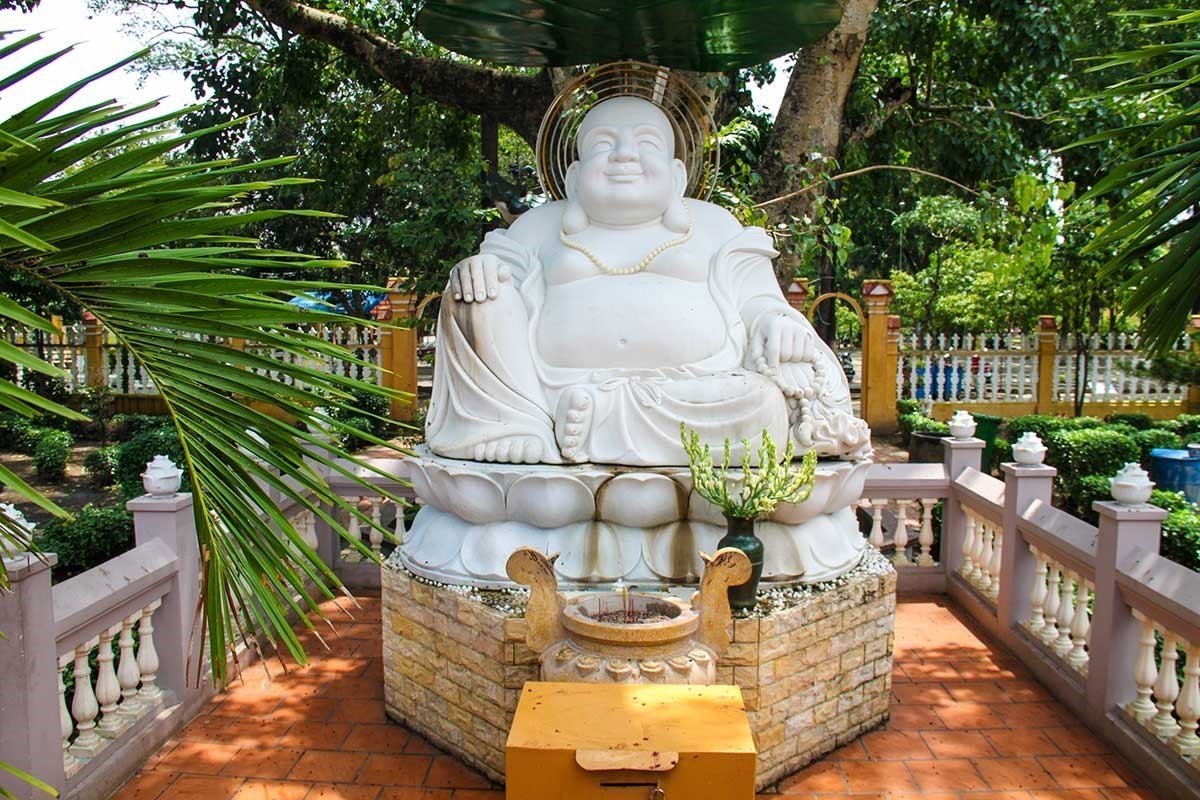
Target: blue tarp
[370, 300]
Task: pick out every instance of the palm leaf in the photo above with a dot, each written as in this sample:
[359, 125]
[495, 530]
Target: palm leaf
[156, 252]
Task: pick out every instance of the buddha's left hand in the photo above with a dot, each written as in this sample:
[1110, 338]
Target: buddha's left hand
[780, 340]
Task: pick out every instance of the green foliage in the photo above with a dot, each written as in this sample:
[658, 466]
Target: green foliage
[1088, 490]
[124, 427]
[1168, 501]
[13, 430]
[1094, 451]
[92, 537]
[1188, 424]
[101, 464]
[51, 454]
[352, 441]
[1172, 425]
[1173, 366]
[371, 413]
[1181, 537]
[774, 481]
[1139, 421]
[134, 454]
[1044, 425]
[1151, 438]
[906, 405]
[1002, 453]
[1122, 428]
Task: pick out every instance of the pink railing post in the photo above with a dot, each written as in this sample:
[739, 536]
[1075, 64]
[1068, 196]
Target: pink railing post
[1113, 643]
[1022, 485]
[959, 455]
[30, 736]
[176, 625]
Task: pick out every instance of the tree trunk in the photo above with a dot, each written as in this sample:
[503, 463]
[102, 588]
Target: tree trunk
[810, 122]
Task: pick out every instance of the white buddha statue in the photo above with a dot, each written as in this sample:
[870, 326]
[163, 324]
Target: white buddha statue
[593, 326]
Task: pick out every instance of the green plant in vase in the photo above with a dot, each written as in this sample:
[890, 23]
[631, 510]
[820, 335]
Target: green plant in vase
[774, 481]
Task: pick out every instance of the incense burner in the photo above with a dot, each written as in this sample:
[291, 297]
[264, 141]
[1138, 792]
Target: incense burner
[623, 636]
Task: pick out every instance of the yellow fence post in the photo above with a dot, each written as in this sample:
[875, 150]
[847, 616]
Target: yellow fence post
[1193, 396]
[880, 358]
[398, 348]
[93, 350]
[1047, 344]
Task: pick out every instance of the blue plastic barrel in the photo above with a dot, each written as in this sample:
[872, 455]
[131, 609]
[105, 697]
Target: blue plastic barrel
[1177, 470]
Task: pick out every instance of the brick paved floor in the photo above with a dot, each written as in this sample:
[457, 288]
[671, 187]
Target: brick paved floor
[968, 723]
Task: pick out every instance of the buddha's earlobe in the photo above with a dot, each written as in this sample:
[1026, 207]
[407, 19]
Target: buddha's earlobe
[574, 218]
[676, 217]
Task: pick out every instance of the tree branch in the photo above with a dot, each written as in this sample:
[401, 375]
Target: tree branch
[852, 173]
[517, 101]
[891, 105]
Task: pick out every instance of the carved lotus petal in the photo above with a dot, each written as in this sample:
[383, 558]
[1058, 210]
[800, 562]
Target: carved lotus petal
[652, 667]
[641, 500]
[831, 550]
[701, 510]
[673, 552]
[485, 551]
[471, 495]
[434, 539]
[587, 664]
[786, 559]
[619, 669]
[418, 475]
[594, 551]
[853, 477]
[550, 501]
[824, 485]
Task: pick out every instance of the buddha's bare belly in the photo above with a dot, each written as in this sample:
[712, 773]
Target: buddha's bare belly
[629, 321]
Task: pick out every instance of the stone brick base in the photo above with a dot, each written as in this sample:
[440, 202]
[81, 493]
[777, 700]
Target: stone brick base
[815, 672]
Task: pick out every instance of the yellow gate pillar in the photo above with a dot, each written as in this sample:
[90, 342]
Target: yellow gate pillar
[1193, 398]
[1047, 345]
[880, 358]
[93, 350]
[398, 348]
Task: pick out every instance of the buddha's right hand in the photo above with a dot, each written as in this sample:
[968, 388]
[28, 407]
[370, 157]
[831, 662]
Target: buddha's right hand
[478, 278]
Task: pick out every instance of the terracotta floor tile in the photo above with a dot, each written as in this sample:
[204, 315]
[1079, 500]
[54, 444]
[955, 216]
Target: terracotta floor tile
[923, 671]
[450, 772]
[205, 728]
[1121, 767]
[957, 744]
[920, 796]
[914, 718]
[969, 716]
[254, 732]
[419, 745]
[416, 793]
[1129, 793]
[922, 694]
[1026, 691]
[202, 787]
[1080, 772]
[1076, 740]
[356, 710]
[1030, 715]
[1014, 773]
[327, 765]
[1068, 794]
[482, 794]
[895, 745]
[357, 688]
[851, 752]
[1012, 794]
[977, 692]
[145, 786]
[1022, 743]
[199, 757]
[272, 790]
[307, 709]
[819, 777]
[342, 791]
[271, 763]
[945, 774]
[392, 770]
[316, 735]
[877, 776]
[388, 738]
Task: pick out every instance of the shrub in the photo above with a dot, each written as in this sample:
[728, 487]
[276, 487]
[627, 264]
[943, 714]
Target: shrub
[28, 439]
[51, 454]
[134, 454]
[101, 465]
[13, 429]
[1139, 421]
[1151, 438]
[352, 442]
[123, 427]
[92, 537]
[1181, 537]
[1121, 427]
[369, 408]
[1188, 424]
[919, 423]
[1089, 489]
[1045, 424]
[1001, 453]
[1168, 501]
[1077, 453]
[907, 406]
[1172, 425]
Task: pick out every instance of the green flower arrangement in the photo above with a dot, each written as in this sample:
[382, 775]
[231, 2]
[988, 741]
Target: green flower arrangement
[775, 480]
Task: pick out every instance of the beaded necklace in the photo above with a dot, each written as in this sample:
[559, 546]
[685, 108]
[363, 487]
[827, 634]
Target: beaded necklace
[630, 270]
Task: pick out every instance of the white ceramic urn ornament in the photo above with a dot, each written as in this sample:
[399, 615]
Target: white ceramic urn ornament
[1029, 450]
[1131, 486]
[7, 550]
[162, 477]
[962, 425]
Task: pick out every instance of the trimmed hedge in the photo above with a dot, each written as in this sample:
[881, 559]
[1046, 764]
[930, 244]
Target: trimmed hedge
[91, 537]
[101, 464]
[1077, 453]
[142, 448]
[1046, 424]
[1152, 438]
[51, 454]
[1139, 421]
[124, 427]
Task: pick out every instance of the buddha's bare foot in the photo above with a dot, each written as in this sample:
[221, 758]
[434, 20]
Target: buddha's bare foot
[511, 450]
[573, 424]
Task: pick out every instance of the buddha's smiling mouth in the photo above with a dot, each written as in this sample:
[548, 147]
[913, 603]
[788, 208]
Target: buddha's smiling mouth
[624, 177]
